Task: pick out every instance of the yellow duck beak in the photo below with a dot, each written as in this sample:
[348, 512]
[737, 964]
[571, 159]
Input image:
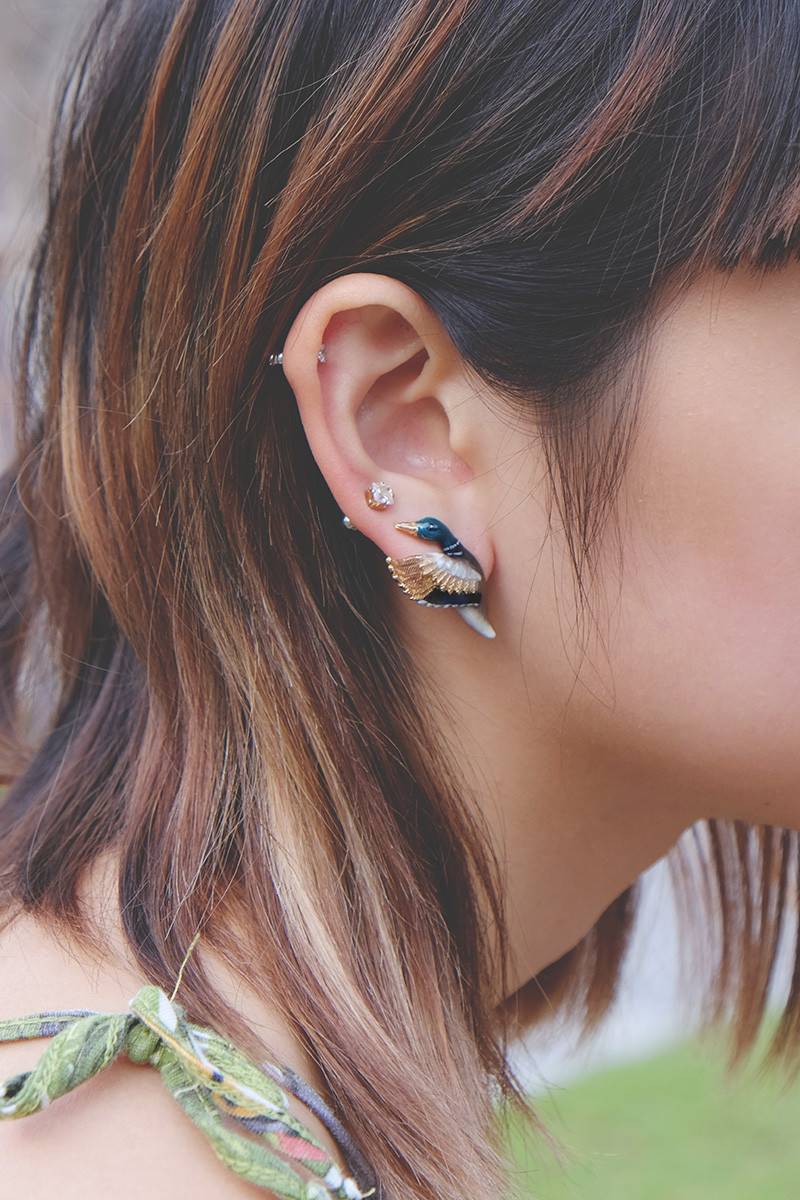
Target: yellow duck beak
[407, 527]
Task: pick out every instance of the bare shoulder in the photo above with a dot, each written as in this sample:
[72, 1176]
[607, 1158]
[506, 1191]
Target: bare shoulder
[120, 1133]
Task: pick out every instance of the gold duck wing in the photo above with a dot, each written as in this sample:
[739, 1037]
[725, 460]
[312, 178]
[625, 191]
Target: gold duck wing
[419, 574]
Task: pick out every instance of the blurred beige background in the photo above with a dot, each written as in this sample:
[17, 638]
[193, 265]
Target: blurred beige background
[34, 37]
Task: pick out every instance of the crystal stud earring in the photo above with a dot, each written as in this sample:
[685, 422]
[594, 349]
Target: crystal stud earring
[379, 495]
[449, 577]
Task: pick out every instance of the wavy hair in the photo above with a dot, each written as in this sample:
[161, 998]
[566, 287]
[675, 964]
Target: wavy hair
[196, 667]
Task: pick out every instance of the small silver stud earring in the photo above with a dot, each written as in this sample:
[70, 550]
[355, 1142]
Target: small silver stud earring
[276, 360]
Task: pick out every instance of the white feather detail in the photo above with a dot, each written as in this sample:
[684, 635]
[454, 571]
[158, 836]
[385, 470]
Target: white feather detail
[458, 567]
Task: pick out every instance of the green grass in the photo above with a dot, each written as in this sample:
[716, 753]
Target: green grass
[669, 1128]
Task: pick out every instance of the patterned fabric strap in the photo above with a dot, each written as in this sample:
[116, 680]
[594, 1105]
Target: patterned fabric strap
[208, 1076]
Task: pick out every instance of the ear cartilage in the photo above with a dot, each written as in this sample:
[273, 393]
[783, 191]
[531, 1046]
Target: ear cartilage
[448, 578]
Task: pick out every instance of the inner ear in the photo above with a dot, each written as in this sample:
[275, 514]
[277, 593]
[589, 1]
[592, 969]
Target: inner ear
[405, 435]
[373, 332]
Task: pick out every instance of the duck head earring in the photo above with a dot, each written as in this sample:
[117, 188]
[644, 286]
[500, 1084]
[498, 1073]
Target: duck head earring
[450, 577]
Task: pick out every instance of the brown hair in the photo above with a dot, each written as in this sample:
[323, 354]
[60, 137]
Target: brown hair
[197, 667]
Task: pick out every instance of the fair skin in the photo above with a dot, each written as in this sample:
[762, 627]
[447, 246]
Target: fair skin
[588, 759]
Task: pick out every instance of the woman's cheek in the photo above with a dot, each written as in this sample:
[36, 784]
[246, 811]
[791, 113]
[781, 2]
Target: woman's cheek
[706, 642]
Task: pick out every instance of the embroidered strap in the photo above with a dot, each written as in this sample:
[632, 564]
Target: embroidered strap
[208, 1076]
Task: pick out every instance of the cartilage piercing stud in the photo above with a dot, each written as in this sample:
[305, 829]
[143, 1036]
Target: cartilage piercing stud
[276, 360]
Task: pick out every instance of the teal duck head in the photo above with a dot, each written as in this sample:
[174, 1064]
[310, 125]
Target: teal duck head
[429, 528]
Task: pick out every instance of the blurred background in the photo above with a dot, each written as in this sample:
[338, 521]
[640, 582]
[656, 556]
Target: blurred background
[643, 1111]
[34, 36]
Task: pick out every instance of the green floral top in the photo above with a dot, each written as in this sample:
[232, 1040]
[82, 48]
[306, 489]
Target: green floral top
[210, 1079]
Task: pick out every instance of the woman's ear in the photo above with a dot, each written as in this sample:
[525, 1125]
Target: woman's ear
[390, 402]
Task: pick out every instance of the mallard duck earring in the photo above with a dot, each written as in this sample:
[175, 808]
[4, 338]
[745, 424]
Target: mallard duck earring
[448, 578]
